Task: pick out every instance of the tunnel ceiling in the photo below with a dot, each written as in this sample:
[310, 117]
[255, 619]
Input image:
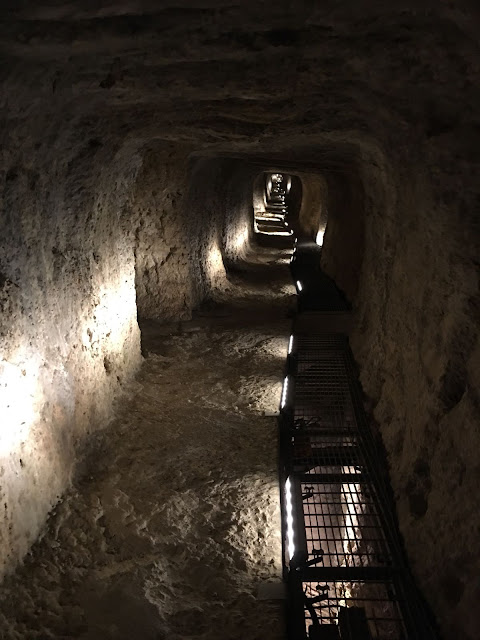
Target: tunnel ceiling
[209, 73]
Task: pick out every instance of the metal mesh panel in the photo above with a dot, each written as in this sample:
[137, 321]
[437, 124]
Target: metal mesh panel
[308, 344]
[322, 389]
[347, 538]
[341, 515]
[341, 520]
[347, 568]
[328, 604]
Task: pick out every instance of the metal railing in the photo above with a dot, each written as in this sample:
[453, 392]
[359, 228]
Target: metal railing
[344, 563]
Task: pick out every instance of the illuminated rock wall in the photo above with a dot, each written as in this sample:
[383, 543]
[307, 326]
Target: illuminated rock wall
[191, 216]
[87, 231]
[219, 216]
[70, 340]
[379, 97]
[163, 260]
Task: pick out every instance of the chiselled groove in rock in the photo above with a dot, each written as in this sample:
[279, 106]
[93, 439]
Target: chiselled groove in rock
[112, 153]
[344, 560]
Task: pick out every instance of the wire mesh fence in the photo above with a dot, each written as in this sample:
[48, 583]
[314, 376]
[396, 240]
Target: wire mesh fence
[347, 572]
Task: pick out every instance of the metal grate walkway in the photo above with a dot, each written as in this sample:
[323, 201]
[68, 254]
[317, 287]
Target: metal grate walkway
[344, 563]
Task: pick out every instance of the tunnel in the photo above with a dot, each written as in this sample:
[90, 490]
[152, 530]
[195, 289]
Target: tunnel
[149, 151]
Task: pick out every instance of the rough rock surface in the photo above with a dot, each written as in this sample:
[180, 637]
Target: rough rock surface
[173, 520]
[102, 101]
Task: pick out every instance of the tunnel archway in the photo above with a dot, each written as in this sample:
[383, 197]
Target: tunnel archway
[375, 102]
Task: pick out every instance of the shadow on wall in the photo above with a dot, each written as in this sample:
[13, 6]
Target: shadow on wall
[344, 239]
[218, 218]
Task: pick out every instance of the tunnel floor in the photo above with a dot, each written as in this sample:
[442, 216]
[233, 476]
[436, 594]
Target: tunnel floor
[173, 520]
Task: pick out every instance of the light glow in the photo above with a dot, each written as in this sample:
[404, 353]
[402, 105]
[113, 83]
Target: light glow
[214, 267]
[241, 240]
[299, 285]
[319, 238]
[274, 233]
[290, 345]
[20, 400]
[284, 393]
[351, 499]
[114, 314]
[271, 218]
[289, 515]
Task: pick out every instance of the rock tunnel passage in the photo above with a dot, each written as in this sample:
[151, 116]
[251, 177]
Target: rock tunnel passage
[175, 541]
[133, 134]
[174, 519]
[344, 563]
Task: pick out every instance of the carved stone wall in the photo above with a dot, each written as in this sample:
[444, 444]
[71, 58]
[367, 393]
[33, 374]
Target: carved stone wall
[102, 106]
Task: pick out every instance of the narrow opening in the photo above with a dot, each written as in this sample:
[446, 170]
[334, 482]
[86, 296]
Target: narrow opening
[273, 219]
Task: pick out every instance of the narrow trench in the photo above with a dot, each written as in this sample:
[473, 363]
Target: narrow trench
[174, 518]
[145, 320]
[345, 567]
